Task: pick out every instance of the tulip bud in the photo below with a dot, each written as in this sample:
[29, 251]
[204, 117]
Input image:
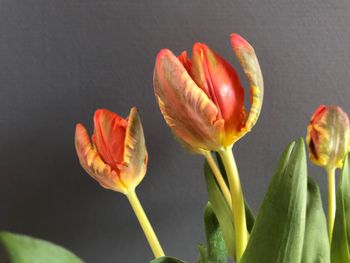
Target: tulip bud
[117, 159]
[328, 136]
[202, 98]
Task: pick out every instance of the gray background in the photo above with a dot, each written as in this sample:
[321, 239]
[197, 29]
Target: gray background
[60, 60]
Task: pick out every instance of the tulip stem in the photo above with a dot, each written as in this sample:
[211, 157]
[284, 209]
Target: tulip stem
[238, 210]
[145, 224]
[219, 178]
[331, 201]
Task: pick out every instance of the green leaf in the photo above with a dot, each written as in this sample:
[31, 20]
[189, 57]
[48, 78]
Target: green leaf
[340, 251]
[216, 248]
[167, 260]
[316, 243]
[278, 232]
[25, 249]
[223, 211]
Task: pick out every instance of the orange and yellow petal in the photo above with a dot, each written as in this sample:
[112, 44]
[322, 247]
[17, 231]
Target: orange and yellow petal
[92, 163]
[134, 166]
[188, 111]
[250, 64]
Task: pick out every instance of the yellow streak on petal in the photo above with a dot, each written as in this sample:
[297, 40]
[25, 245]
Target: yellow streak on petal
[250, 64]
[134, 167]
[186, 108]
[92, 163]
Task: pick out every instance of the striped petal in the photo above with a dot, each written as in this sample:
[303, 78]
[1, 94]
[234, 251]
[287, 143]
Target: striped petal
[134, 166]
[250, 64]
[188, 111]
[92, 163]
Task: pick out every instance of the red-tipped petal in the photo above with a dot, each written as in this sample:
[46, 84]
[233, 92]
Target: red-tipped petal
[93, 164]
[186, 108]
[109, 136]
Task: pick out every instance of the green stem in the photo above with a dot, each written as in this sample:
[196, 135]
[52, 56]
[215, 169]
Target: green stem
[238, 210]
[331, 201]
[145, 224]
[219, 178]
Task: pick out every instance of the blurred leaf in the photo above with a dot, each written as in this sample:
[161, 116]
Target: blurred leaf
[167, 260]
[202, 253]
[25, 249]
[216, 248]
[340, 251]
[316, 243]
[223, 211]
[278, 232]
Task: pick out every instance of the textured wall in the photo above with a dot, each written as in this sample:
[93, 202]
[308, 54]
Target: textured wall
[60, 60]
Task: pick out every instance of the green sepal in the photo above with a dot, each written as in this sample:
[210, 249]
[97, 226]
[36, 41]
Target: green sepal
[25, 249]
[316, 243]
[222, 210]
[166, 260]
[278, 232]
[340, 249]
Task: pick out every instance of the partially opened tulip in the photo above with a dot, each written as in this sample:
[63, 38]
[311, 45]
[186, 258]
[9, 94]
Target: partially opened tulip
[328, 138]
[202, 100]
[117, 160]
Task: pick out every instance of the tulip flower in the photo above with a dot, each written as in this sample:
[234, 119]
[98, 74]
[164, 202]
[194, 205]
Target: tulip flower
[118, 157]
[328, 138]
[117, 160]
[202, 100]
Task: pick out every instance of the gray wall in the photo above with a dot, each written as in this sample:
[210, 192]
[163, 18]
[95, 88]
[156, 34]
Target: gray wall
[60, 60]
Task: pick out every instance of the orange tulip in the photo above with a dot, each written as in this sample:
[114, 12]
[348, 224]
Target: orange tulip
[117, 159]
[202, 99]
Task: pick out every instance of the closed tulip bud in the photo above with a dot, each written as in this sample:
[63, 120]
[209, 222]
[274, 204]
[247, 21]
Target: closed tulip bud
[202, 98]
[328, 136]
[117, 156]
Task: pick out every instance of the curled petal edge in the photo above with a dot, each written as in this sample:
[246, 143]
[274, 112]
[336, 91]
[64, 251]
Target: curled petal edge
[250, 64]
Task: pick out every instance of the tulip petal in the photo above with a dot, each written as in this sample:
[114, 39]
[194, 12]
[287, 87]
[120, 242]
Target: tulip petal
[109, 133]
[92, 163]
[249, 62]
[134, 166]
[185, 61]
[185, 107]
[222, 85]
